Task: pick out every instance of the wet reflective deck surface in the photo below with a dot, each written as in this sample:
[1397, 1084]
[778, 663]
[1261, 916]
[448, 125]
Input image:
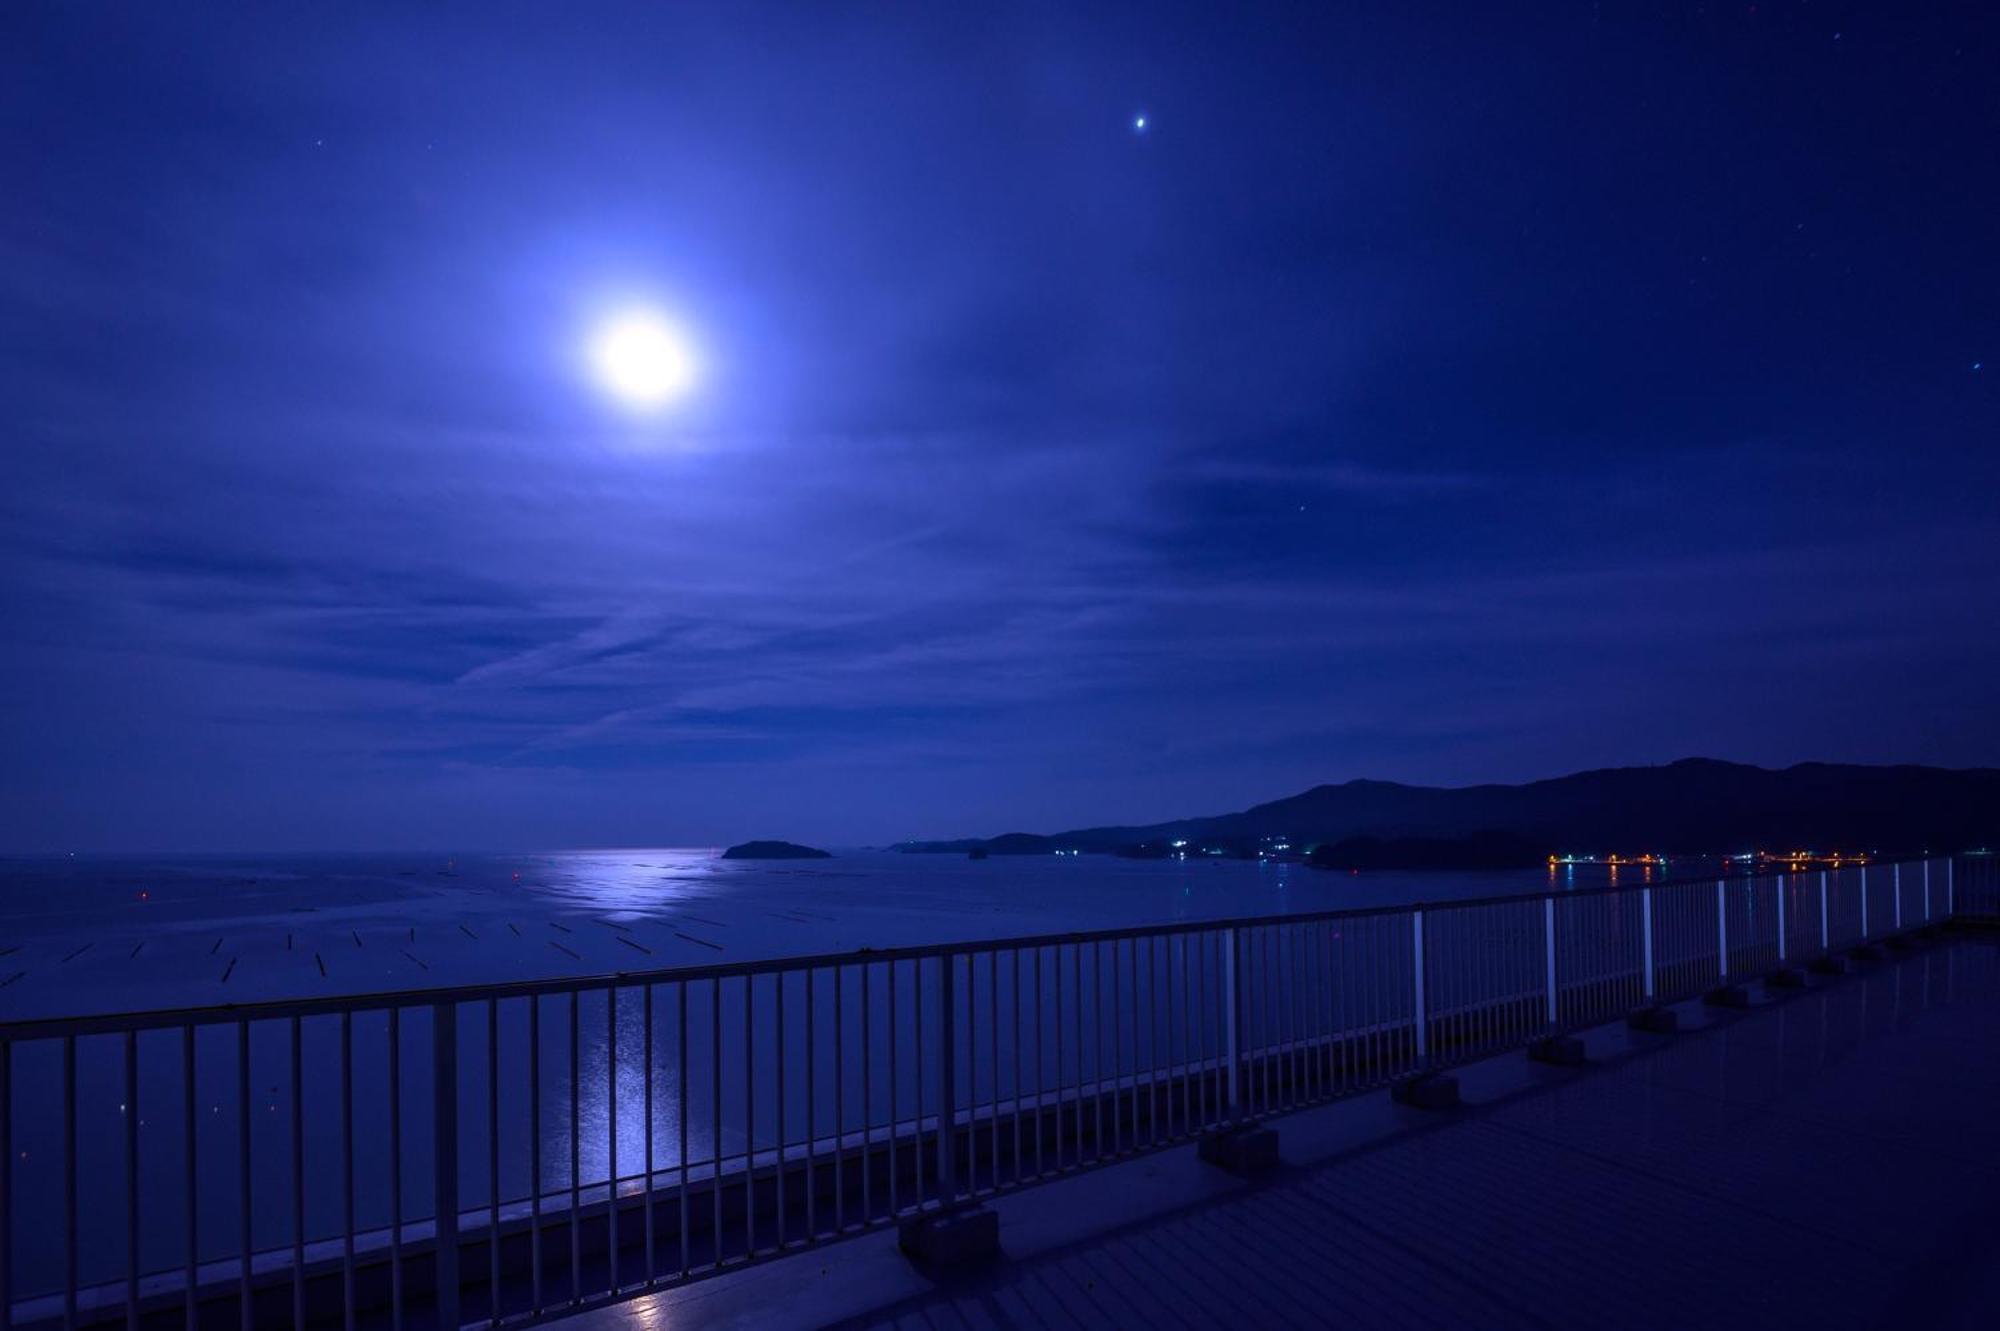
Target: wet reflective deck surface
[1828, 1159]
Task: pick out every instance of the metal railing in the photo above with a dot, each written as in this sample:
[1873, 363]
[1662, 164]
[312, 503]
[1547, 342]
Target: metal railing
[492, 1153]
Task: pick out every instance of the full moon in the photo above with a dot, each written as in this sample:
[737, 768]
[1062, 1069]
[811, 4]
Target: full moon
[642, 360]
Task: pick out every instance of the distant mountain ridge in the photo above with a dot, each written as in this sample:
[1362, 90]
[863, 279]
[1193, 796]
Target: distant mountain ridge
[1694, 806]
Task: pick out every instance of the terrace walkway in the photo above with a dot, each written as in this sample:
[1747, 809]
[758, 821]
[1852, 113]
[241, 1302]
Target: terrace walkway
[1831, 1159]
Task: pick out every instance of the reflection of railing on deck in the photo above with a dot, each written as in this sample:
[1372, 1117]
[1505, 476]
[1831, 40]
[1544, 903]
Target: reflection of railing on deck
[752, 1109]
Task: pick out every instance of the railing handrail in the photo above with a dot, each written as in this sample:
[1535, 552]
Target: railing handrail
[106, 1023]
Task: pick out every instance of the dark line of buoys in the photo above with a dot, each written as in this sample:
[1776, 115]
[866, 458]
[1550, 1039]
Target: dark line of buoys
[11, 978]
[321, 963]
[227, 970]
[74, 955]
[467, 931]
[515, 928]
[554, 925]
[716, 923]
[406, 952]
[633, 942]
[357, 936]
[560, 948]
[137, 948]
[692, 939]
[215, 947]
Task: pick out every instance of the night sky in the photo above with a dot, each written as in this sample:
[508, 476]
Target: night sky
[1437, 392]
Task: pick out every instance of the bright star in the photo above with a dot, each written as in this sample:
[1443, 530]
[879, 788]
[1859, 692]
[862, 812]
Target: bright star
[642, 360]
[1139, 124]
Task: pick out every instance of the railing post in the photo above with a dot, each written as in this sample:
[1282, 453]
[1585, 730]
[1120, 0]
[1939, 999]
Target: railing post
[1896, 893]
[1417, 938]
[1864, 903]
[948, 1080]
[1950, 885]
[1927, 891]
[1781, 919]
[444, 1155]
[1825, 938]
[1721, 931]
[1232, 1020]
[1549, 950]
[1646, 938]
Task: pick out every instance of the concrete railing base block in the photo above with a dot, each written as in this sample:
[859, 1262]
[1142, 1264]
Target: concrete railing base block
[1654, 1020]
[1727, 995]
[1562, 1051]
[1436, 1091]
[1240, 1150]
[951, 1238]
[1785, 977]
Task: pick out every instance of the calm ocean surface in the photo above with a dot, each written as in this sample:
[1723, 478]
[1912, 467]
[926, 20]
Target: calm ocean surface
[90, 935]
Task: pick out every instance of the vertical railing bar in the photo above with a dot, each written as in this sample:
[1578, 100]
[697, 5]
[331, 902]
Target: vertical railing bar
[575, 1153]
[1419, 983]
[1016, 992]
[895, 1123]
[245, 1311]
[396, 1168]
[646, 1091]
[131, 1108]
[611, 1249]
[1229, 942]
[298, 1176]
[493, 1161]
[993, 1031]
[1864, 903]
[1117, 1052]
[917, 1076]
[191, 1199]
[812, 1110]
[1781, 919]
[1825, 931]
[1896, 894]
[1041, 1068]
[715, 1118]
[778, 1083]
[1267, 1026]
[1188, 956]
[1076, 987]
[444, 1161]
[749, 1119]
[535, 1154]
[947, 1162]
[1154, 1011]
[867, 1099]
[1097, 1050]
[1549, 933]
[681, 1116]
[347, 1170]
[1646, 930]
[839, 1102]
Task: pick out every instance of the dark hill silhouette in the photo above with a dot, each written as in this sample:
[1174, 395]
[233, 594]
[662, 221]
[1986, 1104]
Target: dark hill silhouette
[1696, 805]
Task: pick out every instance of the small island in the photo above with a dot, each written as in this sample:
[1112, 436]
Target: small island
[775, 850]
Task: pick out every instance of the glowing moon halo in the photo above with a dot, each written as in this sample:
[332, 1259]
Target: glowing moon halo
[642, 360]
